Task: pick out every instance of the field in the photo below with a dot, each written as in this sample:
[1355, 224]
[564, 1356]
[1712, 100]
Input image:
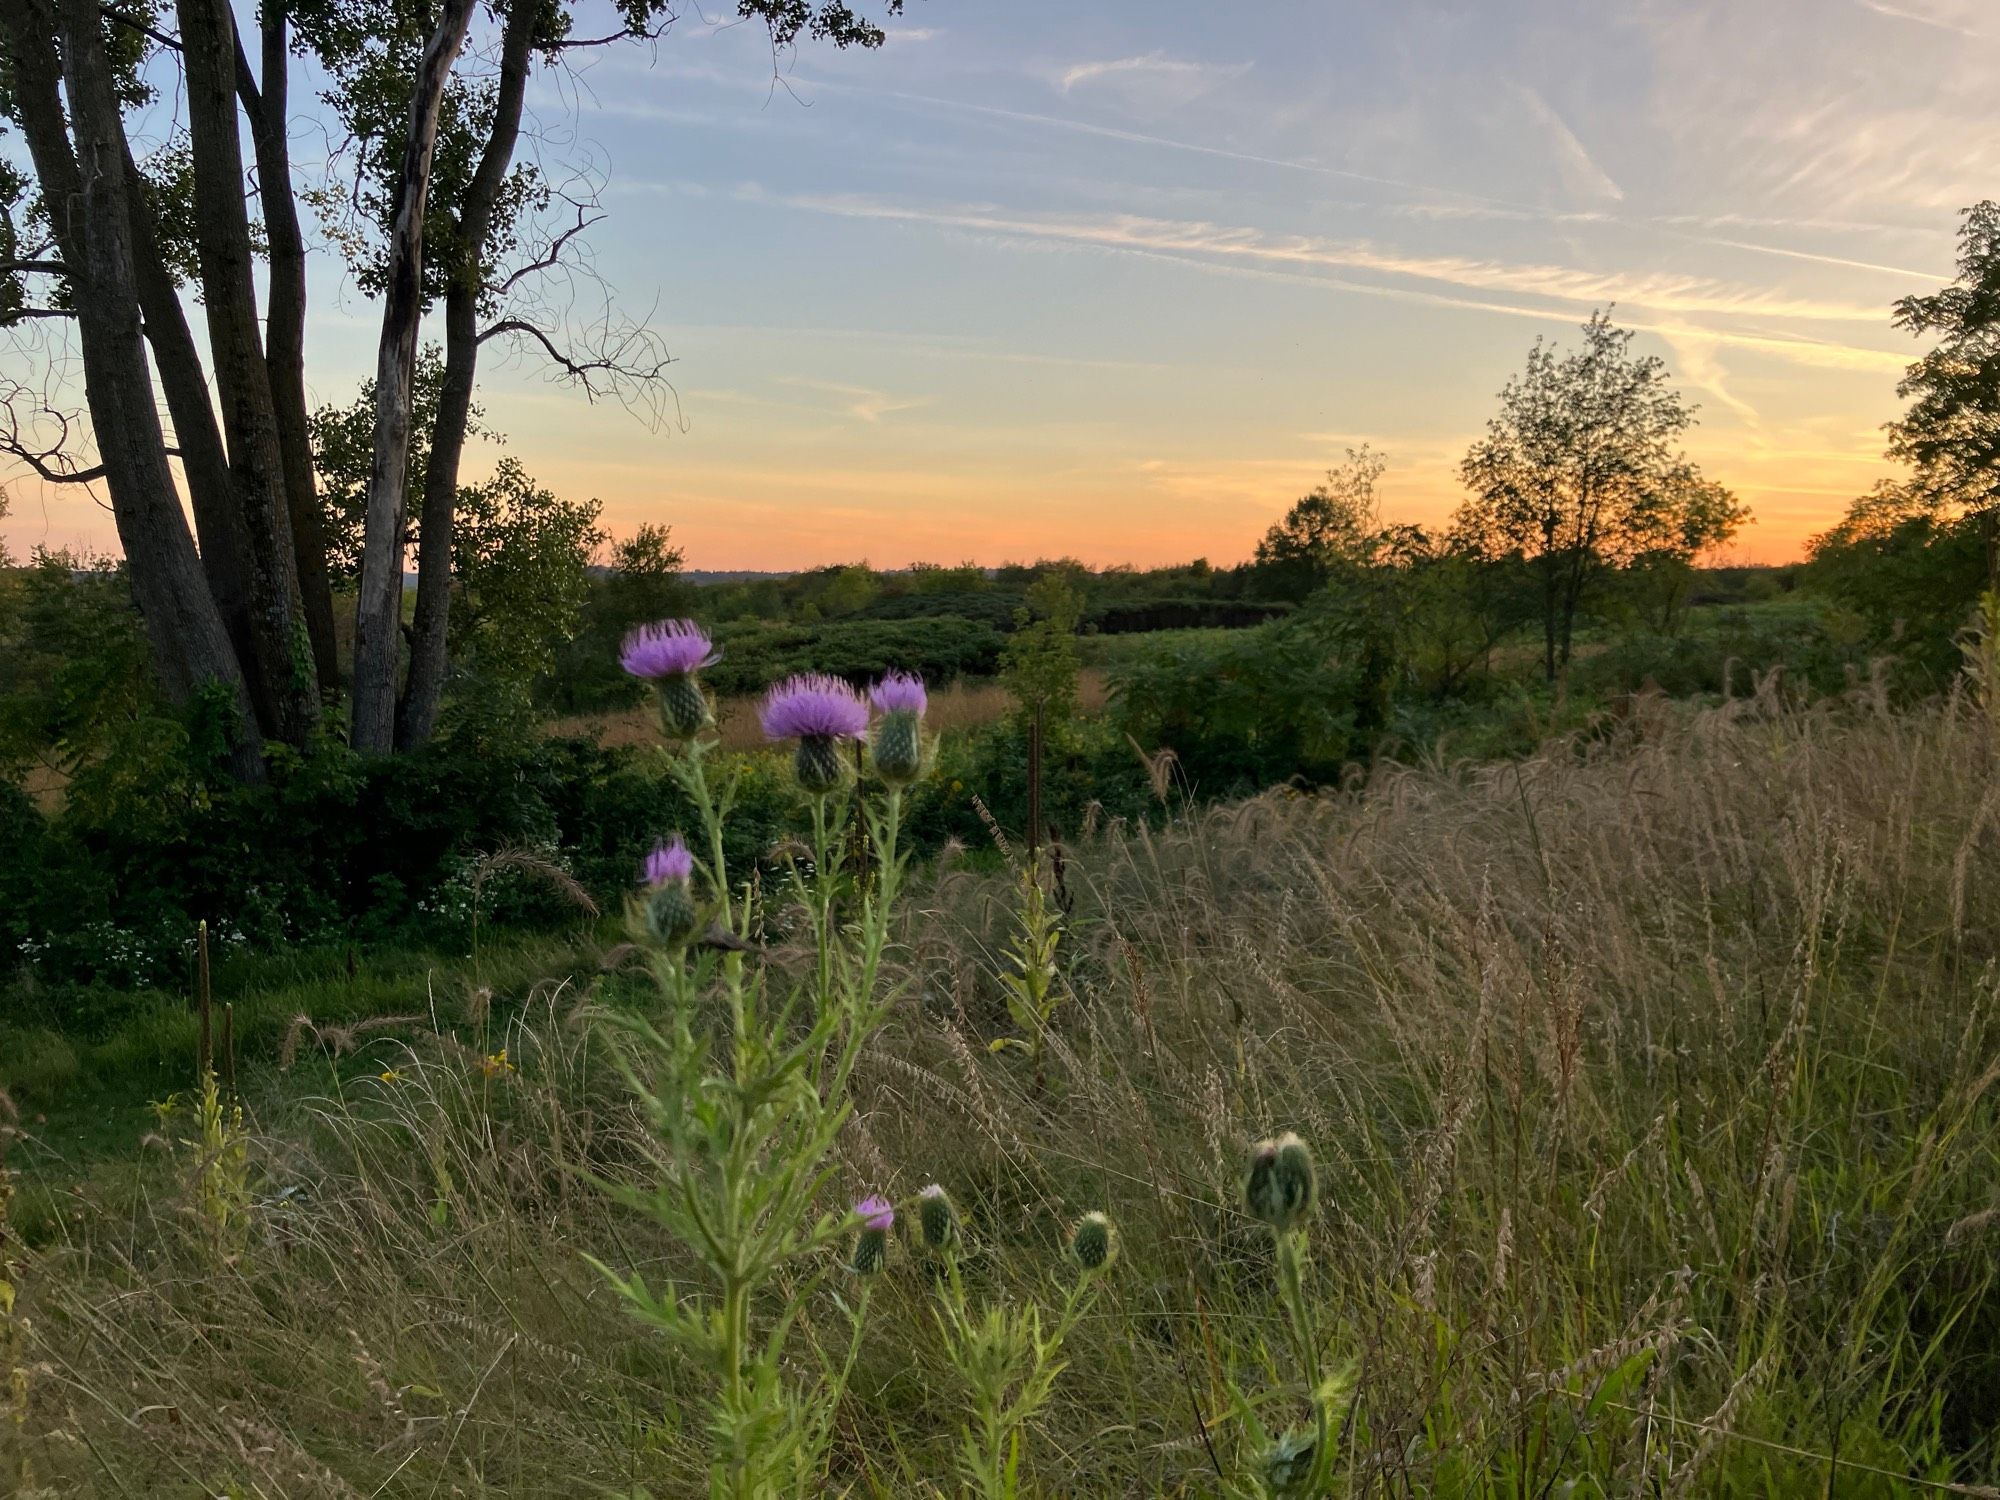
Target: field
[1650, 1082]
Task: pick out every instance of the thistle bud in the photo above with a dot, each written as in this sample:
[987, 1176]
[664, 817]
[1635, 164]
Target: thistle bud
[818, 764]
[667, 911]
[671, 917]
[1093, 1245]
[937, 1218]
[871, 1246]
[669, 654]
[818, 711]
[1281, 1186]
[684, 708]
[899, 734]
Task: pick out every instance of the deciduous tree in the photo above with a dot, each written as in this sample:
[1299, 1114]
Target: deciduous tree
[1579, 473]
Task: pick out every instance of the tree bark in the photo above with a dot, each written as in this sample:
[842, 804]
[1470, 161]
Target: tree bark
[280, 666]
[416, 714]
[87, 192]
[218, 520]
[378, 607]
[285, 332]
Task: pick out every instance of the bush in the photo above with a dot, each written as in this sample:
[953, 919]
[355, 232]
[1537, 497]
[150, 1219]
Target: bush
[994, 608]
[1299, 698]
[1127, 617]
[940, 650]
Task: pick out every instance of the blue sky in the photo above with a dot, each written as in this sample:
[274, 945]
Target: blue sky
[1119, 280]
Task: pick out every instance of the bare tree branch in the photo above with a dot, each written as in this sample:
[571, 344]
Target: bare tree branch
[45, 267]
[551, 257]
[139, 24]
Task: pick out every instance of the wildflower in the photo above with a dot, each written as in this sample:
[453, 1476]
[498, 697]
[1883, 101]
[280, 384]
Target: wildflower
[818, 711]
[495, 1063]
[1093, 1245]
[899, 736]
[937, 1218]
[391, 1075]
[1281, 1186]
[670, 915]
[871, 1247]
[669, 653]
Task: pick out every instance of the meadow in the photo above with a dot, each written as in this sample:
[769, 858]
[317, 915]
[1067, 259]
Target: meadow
[1649, 1080]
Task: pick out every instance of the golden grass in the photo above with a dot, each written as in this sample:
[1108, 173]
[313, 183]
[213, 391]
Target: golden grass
[1652, 1083]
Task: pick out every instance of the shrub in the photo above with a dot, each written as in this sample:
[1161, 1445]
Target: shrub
[938, 650]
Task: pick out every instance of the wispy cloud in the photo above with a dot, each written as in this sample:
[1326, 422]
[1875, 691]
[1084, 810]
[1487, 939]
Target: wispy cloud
[1152, 78]
[1665, 292]
[1580, 173]
[1427, 200]
[863, 403]
[1910, 10]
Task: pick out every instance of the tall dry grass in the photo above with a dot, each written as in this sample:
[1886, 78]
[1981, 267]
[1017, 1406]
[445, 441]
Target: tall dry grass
[1652, 1083]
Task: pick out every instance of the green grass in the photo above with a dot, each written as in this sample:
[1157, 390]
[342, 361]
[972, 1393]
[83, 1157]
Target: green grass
[92, 1097]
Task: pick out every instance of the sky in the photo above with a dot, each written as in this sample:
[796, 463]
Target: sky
[1120, 280]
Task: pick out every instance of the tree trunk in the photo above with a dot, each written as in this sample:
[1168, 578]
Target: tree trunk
[87, 192]
[285, 334]
[378, 607]
[218, 520]
[280, 667]
[416, 714]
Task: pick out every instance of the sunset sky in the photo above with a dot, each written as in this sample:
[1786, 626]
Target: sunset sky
[1120, 280]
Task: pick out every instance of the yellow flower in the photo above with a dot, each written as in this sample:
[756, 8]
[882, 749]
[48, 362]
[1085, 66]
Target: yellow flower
[495, 1062]
[391, 1075]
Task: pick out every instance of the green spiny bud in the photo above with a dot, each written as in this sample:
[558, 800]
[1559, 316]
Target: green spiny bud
[1094, 1243]
[1281, 1186]
[684, 707]
[871, 1246]
[871, 1252]
[899, 747]
[671, 916]
[818, 763]
[937, 1219]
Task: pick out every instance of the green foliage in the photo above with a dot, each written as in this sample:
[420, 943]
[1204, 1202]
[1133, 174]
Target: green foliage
[744, 1125]
[1008, 1363]
[343, 444]
[1578, 474]
[1325, 535]
[939, 650]
[1031, 979]
[1250, 708]
[75, 681]
[1039, 665]
[640, 583]
[1913, 556]
[1950, 433]
[521, 560]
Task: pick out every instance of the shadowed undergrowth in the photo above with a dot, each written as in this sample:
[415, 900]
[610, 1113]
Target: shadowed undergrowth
[1651, 1086]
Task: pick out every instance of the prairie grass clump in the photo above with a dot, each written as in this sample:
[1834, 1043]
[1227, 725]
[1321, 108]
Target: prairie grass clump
[1650, 1091]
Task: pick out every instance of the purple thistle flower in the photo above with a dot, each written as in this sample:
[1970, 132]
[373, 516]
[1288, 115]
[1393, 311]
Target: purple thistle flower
[668, 861]
[668, 648]
[900, 692]
[877, 1213]
[814, 706]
